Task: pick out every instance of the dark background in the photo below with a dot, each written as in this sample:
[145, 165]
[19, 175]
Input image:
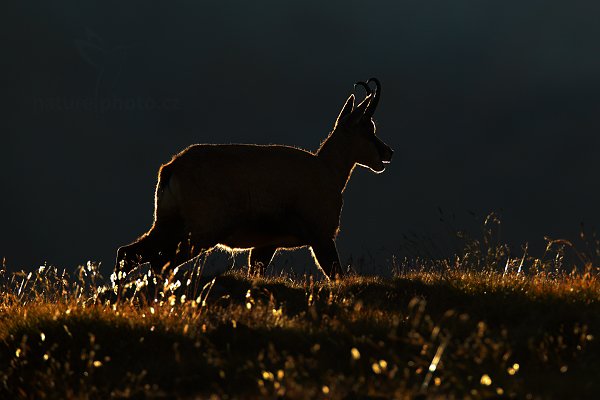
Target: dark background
[489, 106]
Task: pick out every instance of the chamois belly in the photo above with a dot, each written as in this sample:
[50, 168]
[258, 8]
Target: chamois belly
[247, 237]
[282, 231]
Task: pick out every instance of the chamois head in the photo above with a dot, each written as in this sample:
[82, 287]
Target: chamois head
[354, 130]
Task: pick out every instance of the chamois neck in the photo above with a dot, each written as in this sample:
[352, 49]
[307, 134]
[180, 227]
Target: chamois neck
[338, 159]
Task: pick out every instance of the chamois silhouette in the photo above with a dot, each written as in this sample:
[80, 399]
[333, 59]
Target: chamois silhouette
[260, 197]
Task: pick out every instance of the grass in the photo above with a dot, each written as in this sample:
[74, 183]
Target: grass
[459, 330]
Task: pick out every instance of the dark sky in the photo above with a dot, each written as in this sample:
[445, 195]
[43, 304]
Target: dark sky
[490, 106]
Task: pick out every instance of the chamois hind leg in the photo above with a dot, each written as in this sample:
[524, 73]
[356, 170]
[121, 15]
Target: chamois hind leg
[259, 259]
[326, 255]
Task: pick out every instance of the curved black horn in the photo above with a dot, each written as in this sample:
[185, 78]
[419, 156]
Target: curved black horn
[365, 86]
[375, 100]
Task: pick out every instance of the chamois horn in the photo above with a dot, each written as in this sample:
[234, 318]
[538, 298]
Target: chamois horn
[375, 100]
[365, 86]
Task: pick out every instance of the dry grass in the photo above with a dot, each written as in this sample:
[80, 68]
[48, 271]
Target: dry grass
[437, 332]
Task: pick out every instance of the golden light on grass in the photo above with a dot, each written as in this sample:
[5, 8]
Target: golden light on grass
[564, 369]
[485, 380]
[376, 368]
[286, 348]
[438, 356]
[268, 376]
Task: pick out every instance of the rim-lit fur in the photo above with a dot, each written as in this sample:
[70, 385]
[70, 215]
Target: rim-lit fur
[262, 198]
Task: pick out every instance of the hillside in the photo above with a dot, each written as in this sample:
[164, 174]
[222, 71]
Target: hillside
[445, 332]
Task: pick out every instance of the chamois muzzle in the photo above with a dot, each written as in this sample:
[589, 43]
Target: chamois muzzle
[386, 153]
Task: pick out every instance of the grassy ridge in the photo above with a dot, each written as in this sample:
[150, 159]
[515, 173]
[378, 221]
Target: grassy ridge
[458, 333]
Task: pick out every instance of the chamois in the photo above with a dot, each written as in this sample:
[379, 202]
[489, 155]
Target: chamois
[260, 197]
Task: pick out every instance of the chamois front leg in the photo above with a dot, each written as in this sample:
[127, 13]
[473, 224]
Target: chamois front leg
[159, 246]
[144, 249]
[326, 255]
[259, 259]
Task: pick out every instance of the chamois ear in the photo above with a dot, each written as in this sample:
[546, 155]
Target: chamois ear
[359, 111]
[346, 110]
